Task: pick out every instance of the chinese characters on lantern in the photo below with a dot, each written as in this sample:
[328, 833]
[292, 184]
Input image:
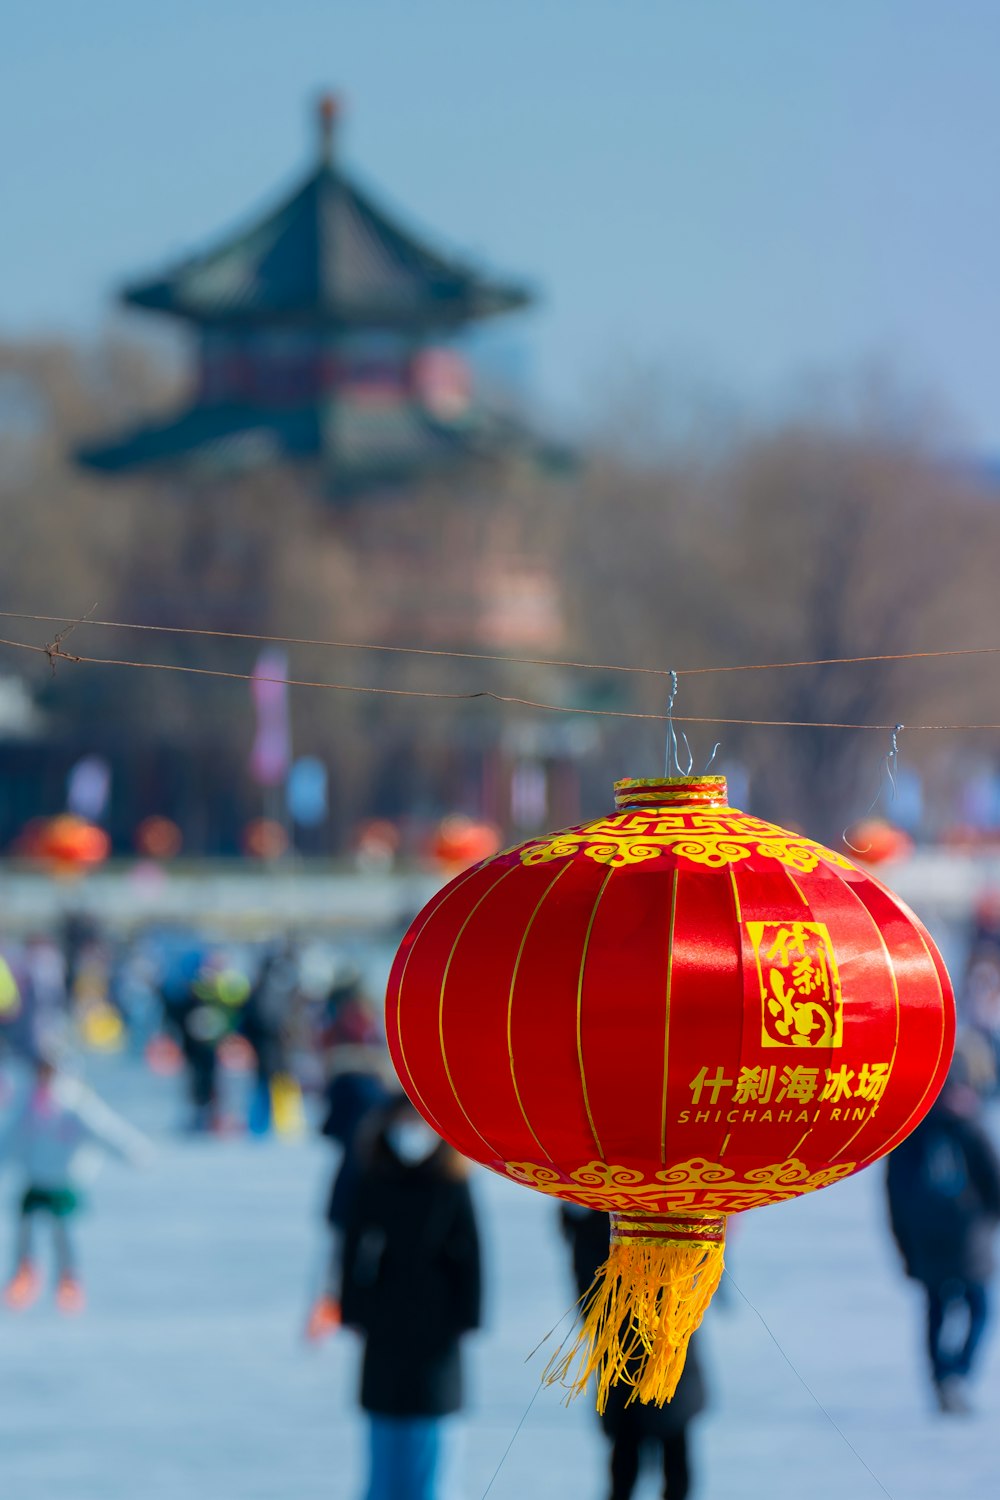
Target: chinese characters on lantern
[802, 1005]
[847, 1093]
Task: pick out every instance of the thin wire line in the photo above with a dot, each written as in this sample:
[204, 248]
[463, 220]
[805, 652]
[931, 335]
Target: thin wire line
[517, 1429]
[805, 1384]
[838, 661]
[527, 661]
[55, 653]
[294, 640]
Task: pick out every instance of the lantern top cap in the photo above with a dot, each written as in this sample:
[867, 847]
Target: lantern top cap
[671, 791]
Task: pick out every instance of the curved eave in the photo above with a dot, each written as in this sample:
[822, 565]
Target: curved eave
[358, 446]
[483, 301]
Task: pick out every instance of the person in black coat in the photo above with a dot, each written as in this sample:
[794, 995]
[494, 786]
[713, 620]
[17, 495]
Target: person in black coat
[411, 1288]
[356, 1090]
[631, 1426]
[944, 1203]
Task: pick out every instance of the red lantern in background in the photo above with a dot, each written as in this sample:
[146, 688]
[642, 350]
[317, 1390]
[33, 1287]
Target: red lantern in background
[264, 838]
[674, 1013]
[460, 841]
[158, 838]
[876, 842]
[67, 841]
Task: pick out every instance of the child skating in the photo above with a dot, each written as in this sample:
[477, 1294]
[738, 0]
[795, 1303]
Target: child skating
[48, 1138]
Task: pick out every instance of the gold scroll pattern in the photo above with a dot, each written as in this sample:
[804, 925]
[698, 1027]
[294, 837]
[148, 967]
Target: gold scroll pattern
[715, 838]
[697, 1184]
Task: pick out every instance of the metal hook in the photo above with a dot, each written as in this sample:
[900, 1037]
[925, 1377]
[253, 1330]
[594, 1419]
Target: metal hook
[889, 767]
[673, 746]
[671, 731]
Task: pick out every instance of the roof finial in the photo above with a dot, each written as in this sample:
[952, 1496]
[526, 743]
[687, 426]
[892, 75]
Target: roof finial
[328, 111]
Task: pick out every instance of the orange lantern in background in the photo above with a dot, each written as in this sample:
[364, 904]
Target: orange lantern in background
[69, 842]
[876, 841]
[265, 838]
[673, 1014]
[460, 841]
[158, 838]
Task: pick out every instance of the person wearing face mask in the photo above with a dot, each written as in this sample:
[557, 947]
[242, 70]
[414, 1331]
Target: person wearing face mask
[411, 1289]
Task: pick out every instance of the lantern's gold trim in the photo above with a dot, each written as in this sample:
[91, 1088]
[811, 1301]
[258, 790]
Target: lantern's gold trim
[709, 837]
[671, 791]
[696, 1184]
[628, 783]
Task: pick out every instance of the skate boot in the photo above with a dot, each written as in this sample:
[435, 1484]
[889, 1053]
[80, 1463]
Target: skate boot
[69, 1296]
[23, 1288]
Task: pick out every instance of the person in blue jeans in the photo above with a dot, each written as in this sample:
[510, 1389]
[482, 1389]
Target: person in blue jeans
[411, 1288]
[944, 1205]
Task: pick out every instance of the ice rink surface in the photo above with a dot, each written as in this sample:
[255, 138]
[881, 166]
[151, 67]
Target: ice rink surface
[187, 1378]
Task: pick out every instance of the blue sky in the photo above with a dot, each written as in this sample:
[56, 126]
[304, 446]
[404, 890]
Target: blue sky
[743, 192]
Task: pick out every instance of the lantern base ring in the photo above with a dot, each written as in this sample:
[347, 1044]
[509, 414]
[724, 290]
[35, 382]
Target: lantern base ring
[645, 1303]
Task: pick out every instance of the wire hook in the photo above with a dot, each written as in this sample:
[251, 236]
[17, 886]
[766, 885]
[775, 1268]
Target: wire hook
[673, 753]
[673, 743]
[888, 767]
[671, 731]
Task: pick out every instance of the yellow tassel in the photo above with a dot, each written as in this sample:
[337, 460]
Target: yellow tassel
[645, 1303]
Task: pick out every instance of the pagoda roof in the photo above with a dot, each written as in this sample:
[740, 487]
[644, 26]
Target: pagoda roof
[330, 256]
[360, 444]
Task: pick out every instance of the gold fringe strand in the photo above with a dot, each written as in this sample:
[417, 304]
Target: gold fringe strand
[639, 1314]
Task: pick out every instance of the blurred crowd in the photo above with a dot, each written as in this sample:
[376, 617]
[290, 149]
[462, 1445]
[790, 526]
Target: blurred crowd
[276, 1009]
[274, 1035]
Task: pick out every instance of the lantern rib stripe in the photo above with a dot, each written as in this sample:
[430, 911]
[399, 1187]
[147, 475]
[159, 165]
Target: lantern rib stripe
[895, 994]
[432, 910]
[736, 896]
[579, 1013]
[738, 908]
[444, 980]
[666, 1017]
[918, 1110]
[792, 881]
[510, 1004]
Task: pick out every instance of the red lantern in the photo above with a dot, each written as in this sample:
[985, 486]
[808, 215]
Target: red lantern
[876, 841]
[158, 838]
[67, 841]
[264, 838]
[460, 841]
[673, 1014]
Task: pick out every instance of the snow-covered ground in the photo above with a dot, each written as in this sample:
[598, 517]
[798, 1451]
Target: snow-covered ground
[187, 1378]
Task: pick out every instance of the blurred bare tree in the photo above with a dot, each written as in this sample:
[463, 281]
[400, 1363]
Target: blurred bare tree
[806, 543]
[716, 546]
